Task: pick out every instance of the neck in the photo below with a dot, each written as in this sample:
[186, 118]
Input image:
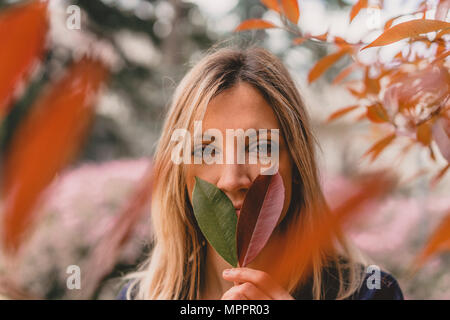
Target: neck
[215, 285]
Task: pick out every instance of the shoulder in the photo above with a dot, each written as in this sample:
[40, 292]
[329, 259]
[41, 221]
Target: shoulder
[123, 292]
[379, 285]
[375, 284]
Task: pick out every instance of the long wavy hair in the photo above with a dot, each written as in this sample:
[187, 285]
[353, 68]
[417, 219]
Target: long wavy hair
[175, 266]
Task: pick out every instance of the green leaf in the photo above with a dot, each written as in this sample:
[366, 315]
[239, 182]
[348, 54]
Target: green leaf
[216, 218]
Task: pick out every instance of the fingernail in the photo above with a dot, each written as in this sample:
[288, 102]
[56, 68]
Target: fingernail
[227, 271]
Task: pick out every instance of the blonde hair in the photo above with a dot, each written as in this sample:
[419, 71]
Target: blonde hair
[174, 267]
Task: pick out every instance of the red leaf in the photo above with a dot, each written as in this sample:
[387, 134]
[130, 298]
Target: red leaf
[361, 4]
[23, 29]
[259, 215]
[323, 64]
[255, 24]
[407, 29]
[44, 143]
[272, 5]
[291, 10]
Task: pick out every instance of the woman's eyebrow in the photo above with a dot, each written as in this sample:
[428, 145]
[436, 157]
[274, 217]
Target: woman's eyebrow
[206, 137]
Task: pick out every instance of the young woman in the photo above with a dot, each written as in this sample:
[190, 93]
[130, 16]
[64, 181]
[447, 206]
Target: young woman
[249, 88]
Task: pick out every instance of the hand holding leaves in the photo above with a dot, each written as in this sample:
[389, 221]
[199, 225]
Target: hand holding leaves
[239, 239]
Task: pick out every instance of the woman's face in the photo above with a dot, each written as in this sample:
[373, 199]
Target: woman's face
[240, 107]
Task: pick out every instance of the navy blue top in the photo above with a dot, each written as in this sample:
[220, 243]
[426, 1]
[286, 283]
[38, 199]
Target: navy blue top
[389, 289]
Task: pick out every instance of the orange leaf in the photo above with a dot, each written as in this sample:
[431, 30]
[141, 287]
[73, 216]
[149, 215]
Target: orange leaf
[298, 41]
[341, 42]
[379, 146]
[255, 24]
[407, 29]
[424, 133]
[435, 180]
[441, 135]
[442, 56]
[341, 112]
[427, 87]
[442, 33]
[321, 37]
[23, 29]
[323, 64]
[44, 143]
[356, 93]
[345, 73]
[372, 86]
[272, 5]
[441, 49]
[291, 10]
[105, 254]
[399, 55]
[432, 156]
[438, 242]
[361, 4]
[306, 241]
[376, 113]
[389, 23]
[361, 117]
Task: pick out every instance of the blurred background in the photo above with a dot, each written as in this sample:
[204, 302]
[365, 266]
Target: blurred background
[148, 46]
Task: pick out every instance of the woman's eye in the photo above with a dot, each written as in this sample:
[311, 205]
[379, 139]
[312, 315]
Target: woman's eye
[200, 151]
[263, 147]
[209, 150]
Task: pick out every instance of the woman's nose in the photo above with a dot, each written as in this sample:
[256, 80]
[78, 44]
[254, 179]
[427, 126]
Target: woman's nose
[234, 177]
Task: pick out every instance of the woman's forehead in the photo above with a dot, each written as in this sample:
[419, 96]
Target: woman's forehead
[240, 107]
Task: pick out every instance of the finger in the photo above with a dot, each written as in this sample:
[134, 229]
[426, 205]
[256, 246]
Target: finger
[259, 278]
[251, 292]
[234, 294]
[245, 291]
